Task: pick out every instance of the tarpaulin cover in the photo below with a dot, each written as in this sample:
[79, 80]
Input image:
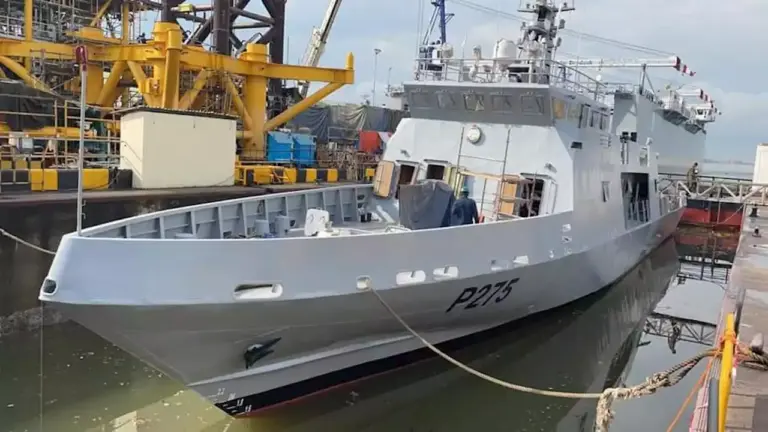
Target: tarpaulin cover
[317, 119]
[370, 141]
[337, 122]
[17, 97]
[427, 204]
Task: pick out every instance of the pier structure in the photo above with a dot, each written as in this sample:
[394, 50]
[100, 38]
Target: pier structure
[745, 402]
[719, 203]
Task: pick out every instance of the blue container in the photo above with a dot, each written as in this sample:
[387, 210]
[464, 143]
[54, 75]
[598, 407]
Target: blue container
[279, 147]
[304, 147]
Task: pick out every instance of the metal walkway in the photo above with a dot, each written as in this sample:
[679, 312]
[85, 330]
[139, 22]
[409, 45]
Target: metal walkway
[725, 189]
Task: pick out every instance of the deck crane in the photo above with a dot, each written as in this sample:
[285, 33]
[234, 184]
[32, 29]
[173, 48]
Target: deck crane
[317, 42]
[694, 104]
[673, 62]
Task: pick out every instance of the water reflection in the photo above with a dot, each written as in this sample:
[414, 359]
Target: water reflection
[90, 385]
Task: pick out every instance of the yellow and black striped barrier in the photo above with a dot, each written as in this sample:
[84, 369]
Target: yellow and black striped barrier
[250, 175]
[53, 179]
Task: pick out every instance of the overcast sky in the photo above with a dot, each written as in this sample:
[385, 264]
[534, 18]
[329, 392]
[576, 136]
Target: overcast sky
[706, 34]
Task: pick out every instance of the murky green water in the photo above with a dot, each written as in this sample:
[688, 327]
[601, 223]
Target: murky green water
[89, 385]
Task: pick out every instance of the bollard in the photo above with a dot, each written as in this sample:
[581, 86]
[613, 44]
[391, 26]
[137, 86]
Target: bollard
[726, 368]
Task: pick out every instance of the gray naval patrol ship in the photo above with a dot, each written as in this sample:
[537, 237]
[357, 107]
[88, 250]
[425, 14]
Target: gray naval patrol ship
[255, 301]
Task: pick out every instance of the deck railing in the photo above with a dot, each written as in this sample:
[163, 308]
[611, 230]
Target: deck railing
[731, 189]
[510, 71]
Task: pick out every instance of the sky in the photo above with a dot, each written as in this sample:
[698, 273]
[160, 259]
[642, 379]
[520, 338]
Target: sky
[703, 33]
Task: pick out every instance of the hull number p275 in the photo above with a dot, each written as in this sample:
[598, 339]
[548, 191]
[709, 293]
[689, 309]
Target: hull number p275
[473, 297]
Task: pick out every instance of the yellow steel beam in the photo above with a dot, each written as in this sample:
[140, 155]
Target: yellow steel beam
[255, 95]
[142, 83]
[240, 107]
[100, 13]
[293, 111]
[94, 35]
[94, 83]
[110, 85]
[125, 24]
[191, 57]
[28, 28]
[25, 49]
[22, 73]
[168, 35]
[28, 13]
[190, 96]
[2, 74]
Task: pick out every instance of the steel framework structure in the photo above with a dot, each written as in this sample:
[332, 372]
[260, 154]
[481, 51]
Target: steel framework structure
[208, 68]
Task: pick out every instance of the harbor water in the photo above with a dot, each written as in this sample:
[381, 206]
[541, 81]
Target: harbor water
[60, 377]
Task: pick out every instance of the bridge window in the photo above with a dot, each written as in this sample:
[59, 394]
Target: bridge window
[422, 100]
[532, 104]
[474, 102]
[606, 191]
[447, 100]
[502, 103]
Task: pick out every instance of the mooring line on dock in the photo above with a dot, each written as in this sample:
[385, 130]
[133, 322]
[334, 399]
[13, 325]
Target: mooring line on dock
[20, 240]
[605, 399]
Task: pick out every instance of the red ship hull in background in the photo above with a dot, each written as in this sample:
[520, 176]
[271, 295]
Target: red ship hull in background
[715, 214]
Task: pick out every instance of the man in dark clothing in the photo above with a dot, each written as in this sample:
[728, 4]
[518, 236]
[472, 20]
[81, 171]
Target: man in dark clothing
[692, 178]
[465, 209]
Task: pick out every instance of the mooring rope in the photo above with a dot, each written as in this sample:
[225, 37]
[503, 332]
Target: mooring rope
[605, 413]
[605, 399]
[26, 243]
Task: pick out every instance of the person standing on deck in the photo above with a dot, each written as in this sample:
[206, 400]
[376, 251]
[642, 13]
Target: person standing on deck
[693, 178]
[465, 208]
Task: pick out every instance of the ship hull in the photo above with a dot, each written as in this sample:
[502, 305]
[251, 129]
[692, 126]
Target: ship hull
[304, 344]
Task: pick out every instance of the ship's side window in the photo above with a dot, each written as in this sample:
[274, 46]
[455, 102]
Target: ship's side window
[606, 191]
[559, 108]
[594, 119]
[603, 121]
[573, 112]
[584, 116]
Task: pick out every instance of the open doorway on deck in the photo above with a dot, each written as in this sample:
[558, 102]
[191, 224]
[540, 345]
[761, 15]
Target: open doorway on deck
[536, 195]
[635, 188]
[435, 172]
[407, 175]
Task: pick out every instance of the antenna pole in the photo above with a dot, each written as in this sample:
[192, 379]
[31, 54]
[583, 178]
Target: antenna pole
[82, 59]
